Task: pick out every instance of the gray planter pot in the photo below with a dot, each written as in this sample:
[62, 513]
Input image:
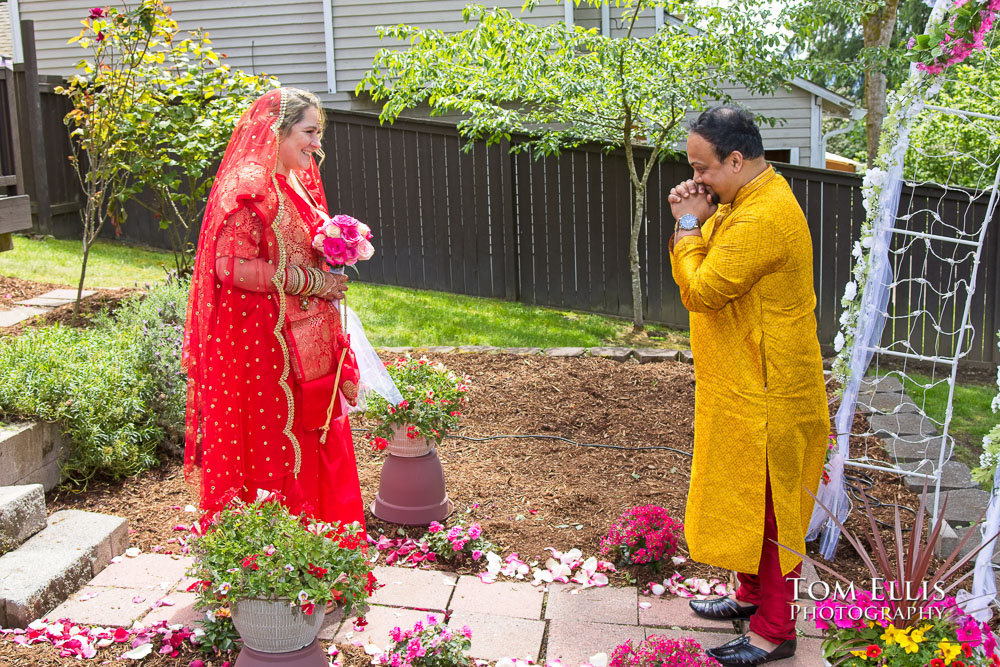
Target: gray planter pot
[275, 626]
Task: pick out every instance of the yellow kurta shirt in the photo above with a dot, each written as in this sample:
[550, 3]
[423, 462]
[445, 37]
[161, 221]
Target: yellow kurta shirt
[759, 393]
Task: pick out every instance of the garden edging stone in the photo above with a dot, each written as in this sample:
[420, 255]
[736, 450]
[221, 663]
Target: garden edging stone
[29, 454]
[22, 514]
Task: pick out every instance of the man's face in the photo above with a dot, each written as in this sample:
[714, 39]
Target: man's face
[719, 178]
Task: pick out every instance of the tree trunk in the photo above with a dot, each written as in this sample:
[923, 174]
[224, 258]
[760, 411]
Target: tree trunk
[87, 243]
[633, 258]
[878, 28]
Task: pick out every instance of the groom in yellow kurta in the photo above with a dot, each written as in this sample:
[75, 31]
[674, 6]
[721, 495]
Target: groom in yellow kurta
[742, 257]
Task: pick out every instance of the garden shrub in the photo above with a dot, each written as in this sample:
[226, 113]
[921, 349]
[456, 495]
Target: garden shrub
[115, 387]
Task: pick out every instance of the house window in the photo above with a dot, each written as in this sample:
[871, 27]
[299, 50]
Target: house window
[778, 155]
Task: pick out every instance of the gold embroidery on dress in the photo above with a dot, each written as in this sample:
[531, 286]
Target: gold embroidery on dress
[279, 282]
[350, 391]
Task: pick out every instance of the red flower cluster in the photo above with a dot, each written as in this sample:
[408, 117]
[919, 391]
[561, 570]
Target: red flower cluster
[316, 571]
[98, 13]
[198, 586]
[372, 584]
[251, 562]
[643, 535]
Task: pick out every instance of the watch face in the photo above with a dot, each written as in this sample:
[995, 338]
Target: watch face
[688, 222]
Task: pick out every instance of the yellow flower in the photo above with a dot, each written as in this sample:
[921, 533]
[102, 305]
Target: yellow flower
[918, 635]
[860, 654]
[889, 636]
[908, 645]
[949, 651]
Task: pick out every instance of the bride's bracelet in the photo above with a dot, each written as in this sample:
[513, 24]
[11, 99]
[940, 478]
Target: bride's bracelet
[295, 280]
[318, 281]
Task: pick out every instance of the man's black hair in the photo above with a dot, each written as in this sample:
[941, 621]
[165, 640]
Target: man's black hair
[729, 128]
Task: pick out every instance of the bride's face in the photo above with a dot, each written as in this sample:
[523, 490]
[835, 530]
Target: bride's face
[295, 148]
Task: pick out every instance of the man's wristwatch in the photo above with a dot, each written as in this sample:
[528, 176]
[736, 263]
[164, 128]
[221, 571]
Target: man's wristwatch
[688, 221]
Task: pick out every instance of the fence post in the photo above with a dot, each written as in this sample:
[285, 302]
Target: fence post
[32, 105]
[511, 291]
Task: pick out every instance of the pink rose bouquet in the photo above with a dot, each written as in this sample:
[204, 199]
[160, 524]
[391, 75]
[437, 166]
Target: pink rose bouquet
[343, 241]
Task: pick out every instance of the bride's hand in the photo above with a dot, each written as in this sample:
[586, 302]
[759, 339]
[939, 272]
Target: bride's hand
[335, 287]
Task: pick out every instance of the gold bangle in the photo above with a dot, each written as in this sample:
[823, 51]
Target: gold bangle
[319, 280]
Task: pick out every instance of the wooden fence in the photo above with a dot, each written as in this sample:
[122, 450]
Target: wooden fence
[554, 231]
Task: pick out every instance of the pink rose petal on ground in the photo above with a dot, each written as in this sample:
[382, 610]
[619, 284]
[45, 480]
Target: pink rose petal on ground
[645, 605]
[487, 577]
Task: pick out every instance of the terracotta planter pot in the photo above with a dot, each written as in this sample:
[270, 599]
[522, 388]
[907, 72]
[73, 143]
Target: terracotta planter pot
[275, 626]
[401, 445]
[411, 490]
[310, 656]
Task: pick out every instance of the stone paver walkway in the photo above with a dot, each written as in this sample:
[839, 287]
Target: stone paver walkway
[508, 619]
[40, 304]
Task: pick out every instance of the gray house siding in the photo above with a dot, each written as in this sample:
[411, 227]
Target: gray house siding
[283, 39]
[287, 39]
[356, 41]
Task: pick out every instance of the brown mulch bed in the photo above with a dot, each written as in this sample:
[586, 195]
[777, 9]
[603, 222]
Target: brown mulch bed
[528, 494]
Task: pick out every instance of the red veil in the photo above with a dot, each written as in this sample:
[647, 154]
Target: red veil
[242, 430]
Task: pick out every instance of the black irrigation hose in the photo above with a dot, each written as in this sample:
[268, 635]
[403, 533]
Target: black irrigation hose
[858, 484]
[555, 437]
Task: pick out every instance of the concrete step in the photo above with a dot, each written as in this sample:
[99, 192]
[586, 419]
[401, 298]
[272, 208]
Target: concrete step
[902, 424]
[22, 514]
[954, 475]
[29, 454]
[49, 567]
[975, 541]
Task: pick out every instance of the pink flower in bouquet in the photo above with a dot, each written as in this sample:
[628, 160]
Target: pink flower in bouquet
[343, 240]
[351, 235]
[345, 221]
[335, 250]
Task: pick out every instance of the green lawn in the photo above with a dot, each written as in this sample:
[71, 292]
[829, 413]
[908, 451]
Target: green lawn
[393, 316]
[971, 417]
[111, 265]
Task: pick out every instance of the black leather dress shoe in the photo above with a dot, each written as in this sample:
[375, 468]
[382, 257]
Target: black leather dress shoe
[722, 609]
[741, 652]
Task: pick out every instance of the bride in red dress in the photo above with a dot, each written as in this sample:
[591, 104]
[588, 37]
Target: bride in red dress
[263, 340]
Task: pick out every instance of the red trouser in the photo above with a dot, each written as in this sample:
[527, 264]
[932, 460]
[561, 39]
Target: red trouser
[769, 589]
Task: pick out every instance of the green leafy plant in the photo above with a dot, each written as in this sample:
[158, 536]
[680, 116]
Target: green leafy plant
[159, 318]
[176, 134]
[907, 618]
[116, 387]
[433, 397]
[152, 114]
[260, 550]
[108, 83]
[88, 380]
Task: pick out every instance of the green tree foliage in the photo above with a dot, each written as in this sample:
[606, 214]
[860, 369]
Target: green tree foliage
[547, 88]
[857, 47]
[950, 149]
[107, 85]
[176, 135]
[152, 113]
